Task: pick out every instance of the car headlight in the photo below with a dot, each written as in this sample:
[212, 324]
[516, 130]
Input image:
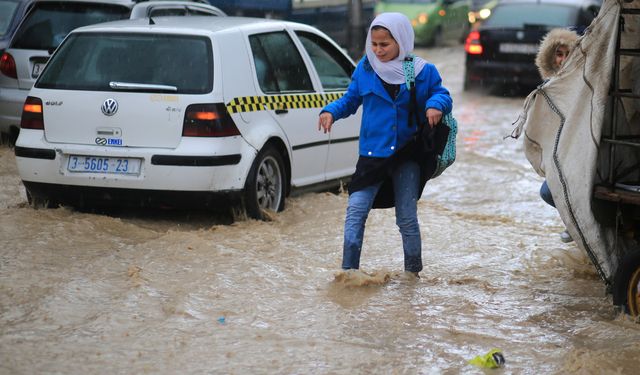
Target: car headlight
[421, 19]
[484, 13]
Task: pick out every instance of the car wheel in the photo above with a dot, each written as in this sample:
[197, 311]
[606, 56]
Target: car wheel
[465, 32]
[626, 284]
[9, 138]
[40, 202]
[438, 38]
[264, 191]
[469, 84]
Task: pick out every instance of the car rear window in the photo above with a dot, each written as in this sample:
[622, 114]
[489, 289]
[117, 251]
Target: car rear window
[7, 11]
[91, 61]
[163, 11]
[48, 23]
[518, 15]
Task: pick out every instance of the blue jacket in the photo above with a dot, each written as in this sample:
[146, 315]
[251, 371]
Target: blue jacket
[385, 122]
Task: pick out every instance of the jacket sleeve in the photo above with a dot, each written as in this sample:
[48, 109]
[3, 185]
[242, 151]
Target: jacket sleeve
[348, 104]
[438, 96]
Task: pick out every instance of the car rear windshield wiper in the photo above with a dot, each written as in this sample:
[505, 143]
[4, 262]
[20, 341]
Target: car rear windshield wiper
[141, 86]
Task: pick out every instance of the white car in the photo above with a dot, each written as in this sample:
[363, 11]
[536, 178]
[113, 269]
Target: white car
[48, 22]
[178, 109]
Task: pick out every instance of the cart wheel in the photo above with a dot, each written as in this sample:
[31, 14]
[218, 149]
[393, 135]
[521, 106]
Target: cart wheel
[626, 286]
[633, 294]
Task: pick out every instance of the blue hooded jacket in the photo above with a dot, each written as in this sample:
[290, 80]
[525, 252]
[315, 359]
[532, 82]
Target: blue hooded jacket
[385, 124]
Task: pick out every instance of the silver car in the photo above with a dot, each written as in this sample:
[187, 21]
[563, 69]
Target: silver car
[45, 26]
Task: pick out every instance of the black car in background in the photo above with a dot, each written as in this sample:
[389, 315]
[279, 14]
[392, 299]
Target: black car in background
[333, 17]
[503, 49]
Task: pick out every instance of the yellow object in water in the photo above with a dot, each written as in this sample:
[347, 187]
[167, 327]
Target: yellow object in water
[493, 359]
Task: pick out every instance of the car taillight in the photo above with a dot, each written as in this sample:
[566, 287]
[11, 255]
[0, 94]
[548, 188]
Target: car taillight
[472, 44]
[208, 120]
[32, 114]
[8, 66]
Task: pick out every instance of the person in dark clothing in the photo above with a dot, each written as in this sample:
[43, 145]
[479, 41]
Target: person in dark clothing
[378, 84]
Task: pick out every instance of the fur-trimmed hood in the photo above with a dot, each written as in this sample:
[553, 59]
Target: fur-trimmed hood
[546, 53]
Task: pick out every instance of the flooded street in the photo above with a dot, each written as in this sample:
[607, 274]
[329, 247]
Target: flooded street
[189, 293]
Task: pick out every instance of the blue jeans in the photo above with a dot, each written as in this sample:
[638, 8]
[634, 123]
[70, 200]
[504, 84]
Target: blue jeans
[406, 181]
[545, 194]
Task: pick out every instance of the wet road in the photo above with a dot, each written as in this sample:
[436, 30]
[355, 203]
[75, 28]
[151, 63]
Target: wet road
[185, 292]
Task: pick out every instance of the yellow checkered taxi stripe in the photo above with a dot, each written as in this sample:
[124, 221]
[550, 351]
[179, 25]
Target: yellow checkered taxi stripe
[274, 102]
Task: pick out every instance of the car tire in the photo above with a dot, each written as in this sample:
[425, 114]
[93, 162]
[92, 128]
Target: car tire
[9, 138]
[436, 39]
[468, 83]
[40, 202]
[465, 32]
[264, 191]
[626, 283]
[439, 38]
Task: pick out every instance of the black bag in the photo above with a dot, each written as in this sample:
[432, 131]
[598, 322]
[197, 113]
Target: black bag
[437, 142]
[433, 140]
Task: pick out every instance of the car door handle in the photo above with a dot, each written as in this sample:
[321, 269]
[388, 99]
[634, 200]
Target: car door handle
[281, 111]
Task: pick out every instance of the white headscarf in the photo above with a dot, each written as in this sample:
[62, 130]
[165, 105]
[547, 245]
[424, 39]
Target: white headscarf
[401, 30]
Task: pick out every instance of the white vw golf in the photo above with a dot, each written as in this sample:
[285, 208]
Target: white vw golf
[177, 110]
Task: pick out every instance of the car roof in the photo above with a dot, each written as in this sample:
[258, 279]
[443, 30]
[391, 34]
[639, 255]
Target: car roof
[199, 23]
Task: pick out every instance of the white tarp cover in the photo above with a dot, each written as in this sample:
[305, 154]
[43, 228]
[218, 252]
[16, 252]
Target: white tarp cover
[563, 120]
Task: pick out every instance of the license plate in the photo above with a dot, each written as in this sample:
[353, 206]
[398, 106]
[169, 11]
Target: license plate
[96, 164]
[37, 69]
[526, 49]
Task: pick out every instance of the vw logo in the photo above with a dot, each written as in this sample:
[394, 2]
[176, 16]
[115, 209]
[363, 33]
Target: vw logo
[109, 107]
[520, 35]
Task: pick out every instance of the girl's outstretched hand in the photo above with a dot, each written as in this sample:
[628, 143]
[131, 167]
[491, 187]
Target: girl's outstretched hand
[325, 121]
[433, 116]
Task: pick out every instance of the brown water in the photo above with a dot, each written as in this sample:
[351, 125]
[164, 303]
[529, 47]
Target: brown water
[185, 292]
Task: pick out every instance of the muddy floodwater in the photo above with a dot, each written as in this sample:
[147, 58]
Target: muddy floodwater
[134, 292]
